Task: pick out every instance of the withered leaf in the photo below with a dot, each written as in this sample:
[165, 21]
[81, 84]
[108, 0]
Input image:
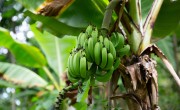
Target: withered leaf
[53, 7]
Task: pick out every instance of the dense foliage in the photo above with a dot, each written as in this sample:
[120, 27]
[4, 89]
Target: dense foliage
[34, 52]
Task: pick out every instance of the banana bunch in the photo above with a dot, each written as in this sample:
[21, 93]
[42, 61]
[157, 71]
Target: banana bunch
[84, 36]
[77, 62]
[77, 66]
[118, 41]
[104, 57]
[112, 50]
[94, 49]
[104, 76]
[101, 51]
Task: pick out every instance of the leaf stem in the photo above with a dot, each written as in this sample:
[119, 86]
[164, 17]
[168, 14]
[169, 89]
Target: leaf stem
[135, 13]
[108, 14]
[152, 14]
[59, 62]
[174, 40]
[149, 24]
[49, 74]
[121, 10]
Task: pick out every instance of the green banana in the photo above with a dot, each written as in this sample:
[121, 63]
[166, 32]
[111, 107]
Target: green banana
[83, 38]
[71, 73]
[124, 51]
[114, 39]
[104, 58]
[79, 40]
[97, 53]
[112, 50]
[120, 41]
[71, 78]
[70, 69]
[91, 47]
[110, 61]
[71, 66]
[83, 65]
[101, 38]
[116, 63]
[89, 29]
[88, 56]
[106, 76]
[94, 34]
[106, 43]
[117, 39]
[76, 63]
[101, 46]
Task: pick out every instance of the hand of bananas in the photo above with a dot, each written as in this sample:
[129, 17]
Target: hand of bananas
[93, 48]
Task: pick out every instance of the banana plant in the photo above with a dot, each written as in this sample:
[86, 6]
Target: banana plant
[135, 20]
[137, 70]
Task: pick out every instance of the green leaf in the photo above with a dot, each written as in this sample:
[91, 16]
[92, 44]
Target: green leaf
[54, 26]
[168, 19]
[25, 93]
[101, 5]
[177, 32]
[81, 97]
[31, 4]
[83, 12]
[145, 8]
[24, 54]
[7, 84]
[21, 76]
[55, 49]
[73, 18]
[166, 46]
[75, 15]
[80, 106]
[47, 101]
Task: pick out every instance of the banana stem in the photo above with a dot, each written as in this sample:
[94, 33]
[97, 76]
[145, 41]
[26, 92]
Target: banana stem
[149, 23]
[49, 74]
[73, 86]
[61, 96]
[108, 14]
[109, 94]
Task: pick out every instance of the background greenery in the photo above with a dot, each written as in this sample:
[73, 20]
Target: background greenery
[33, 60]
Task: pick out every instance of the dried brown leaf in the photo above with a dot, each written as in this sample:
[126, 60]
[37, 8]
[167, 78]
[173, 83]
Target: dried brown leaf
[154, 49]
[53, 7]
[132, 71]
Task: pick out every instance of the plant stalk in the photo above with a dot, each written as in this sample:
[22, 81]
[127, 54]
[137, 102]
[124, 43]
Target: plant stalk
[149, 24]
[59, 63]
[135, 13]
[174, 38]
[152, 14]
[109, 94]
[62, 93]
[121, 10]
[108, 14]
[13, 105]
[49, 74]
[73, 86]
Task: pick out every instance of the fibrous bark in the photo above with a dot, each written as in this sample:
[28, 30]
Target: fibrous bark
[140, 80]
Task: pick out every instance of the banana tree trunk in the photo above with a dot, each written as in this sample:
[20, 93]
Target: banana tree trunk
[139, 78]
